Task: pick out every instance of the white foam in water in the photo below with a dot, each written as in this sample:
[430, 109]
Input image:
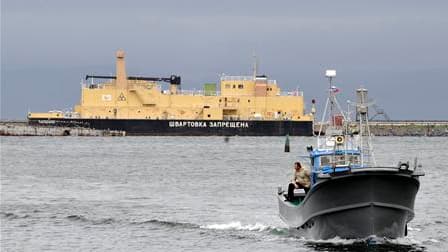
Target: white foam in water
[335, 240]
[414, 229]
[403, 241]
[236, 225]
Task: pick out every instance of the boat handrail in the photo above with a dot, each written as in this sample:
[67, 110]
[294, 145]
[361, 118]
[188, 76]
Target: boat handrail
[236, 78]
[291, 93]
[201, 92]
[331, 171]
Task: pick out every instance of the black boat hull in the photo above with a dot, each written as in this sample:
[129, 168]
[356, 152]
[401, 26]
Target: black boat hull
[188, 127]
[361, 222]
[355, 205]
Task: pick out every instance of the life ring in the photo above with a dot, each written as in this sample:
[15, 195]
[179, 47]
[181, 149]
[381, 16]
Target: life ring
[339, 139]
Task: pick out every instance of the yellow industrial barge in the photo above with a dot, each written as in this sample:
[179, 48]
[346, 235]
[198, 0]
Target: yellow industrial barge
[243, 105]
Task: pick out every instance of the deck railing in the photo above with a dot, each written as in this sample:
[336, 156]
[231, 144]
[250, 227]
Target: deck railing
[194, 92]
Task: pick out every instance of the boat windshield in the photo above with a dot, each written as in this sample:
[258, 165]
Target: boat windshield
[339, 160]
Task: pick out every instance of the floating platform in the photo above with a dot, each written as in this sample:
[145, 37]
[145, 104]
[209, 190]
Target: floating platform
[22, 128]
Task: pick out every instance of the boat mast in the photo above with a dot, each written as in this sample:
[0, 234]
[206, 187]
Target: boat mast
[334, 104]
[330, 74]
[364, 129]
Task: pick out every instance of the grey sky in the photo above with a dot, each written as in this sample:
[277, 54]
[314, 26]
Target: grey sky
[396, 49]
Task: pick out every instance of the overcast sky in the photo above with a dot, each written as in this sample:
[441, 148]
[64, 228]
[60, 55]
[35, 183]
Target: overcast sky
[396, 49]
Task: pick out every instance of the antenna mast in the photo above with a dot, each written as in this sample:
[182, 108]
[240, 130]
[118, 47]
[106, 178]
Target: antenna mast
[364, 130]
[255, 67]
[330, 74]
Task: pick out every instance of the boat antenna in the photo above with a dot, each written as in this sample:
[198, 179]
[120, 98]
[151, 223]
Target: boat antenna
[331, 104]
[255, 67]
[330, 74]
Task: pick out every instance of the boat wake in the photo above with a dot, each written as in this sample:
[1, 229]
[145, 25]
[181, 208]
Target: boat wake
[335, 244]
[167, 224]
[237, 225]
[230, 226]
[253, 230]
[233, 225]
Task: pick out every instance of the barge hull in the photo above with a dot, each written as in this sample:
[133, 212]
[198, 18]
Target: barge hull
[142, 127]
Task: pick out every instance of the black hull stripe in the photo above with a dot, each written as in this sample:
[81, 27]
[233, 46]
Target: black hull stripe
[149, 127]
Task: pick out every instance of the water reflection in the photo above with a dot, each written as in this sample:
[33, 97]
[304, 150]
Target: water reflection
[365, 246]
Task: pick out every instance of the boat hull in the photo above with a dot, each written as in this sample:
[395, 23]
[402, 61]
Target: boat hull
[188, 127]
[355, 206]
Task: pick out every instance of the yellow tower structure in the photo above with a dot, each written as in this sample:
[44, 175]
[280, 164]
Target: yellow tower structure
[122, 78]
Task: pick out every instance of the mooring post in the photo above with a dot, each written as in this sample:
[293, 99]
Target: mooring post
[287, 143]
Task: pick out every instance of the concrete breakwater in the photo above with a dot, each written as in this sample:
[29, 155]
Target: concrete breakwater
[22, 128]
[409, 128]
[403, 128]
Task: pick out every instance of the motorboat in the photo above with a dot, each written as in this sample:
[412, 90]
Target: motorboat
[350, 195]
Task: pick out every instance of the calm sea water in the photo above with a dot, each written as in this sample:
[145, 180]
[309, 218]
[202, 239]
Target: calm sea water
[184, 194]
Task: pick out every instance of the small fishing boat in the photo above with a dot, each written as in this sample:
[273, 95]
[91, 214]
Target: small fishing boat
[350, 195]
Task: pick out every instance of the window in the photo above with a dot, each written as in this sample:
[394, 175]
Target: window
[331, 160]
[354, 159]
[339, 160]
[325, 160]
[240, 86]
[234, 86]
[208, 115]
[227, 85]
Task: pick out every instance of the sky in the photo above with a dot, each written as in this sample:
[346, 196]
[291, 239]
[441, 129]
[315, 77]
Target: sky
[398, 50]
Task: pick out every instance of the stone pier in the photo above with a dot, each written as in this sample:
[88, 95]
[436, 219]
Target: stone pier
[21, 128]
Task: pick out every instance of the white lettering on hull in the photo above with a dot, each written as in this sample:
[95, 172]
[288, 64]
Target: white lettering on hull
[204, 124]
[46, 121]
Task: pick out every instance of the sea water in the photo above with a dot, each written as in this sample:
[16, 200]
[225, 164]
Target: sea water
[186, 194]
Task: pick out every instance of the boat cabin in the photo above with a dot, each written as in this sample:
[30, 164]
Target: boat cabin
[332, 161]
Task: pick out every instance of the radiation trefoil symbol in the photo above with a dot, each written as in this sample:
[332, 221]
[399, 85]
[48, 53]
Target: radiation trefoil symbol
[121, 97]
